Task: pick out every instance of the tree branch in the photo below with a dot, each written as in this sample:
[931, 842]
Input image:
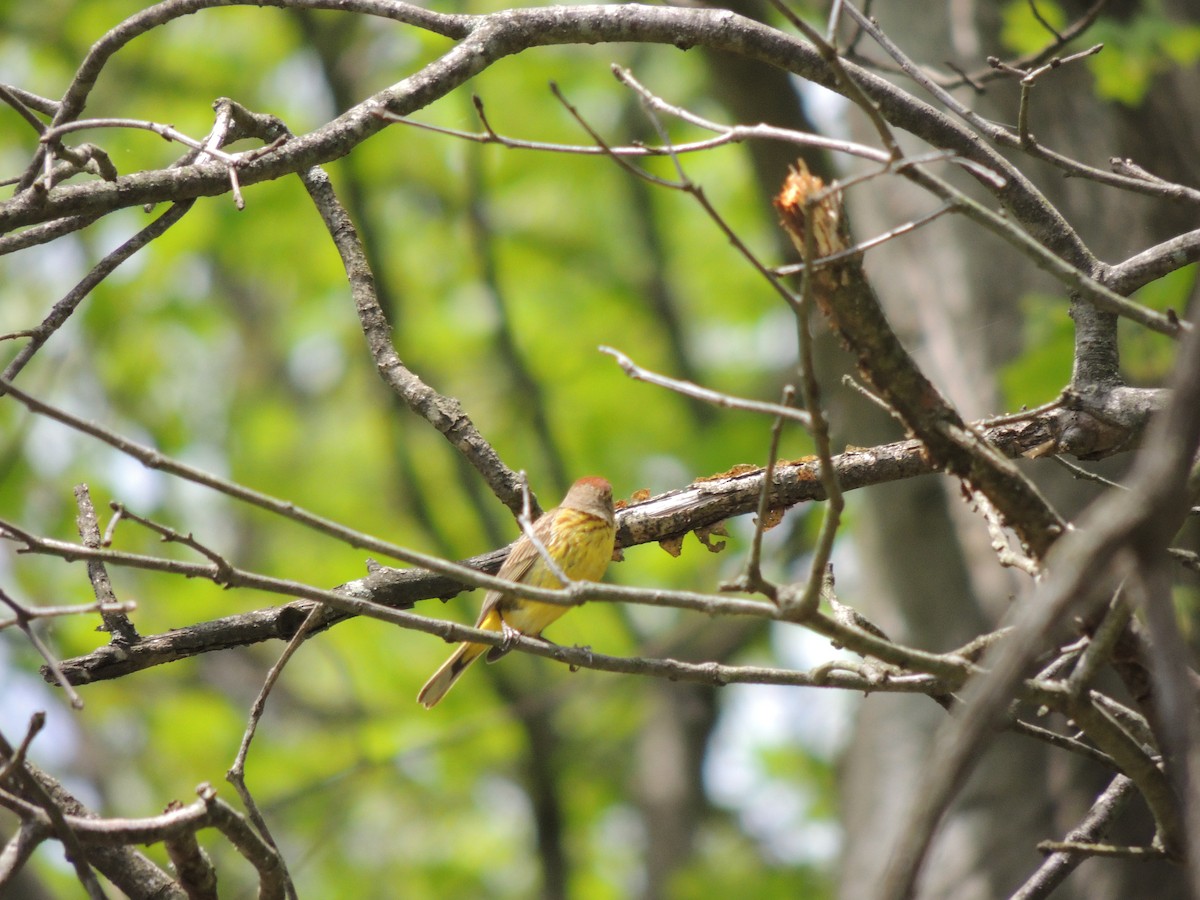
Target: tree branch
[704, 503]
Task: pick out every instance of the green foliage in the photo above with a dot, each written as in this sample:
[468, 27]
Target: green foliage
[1136, 49]
[730, 867]
[1040, 373]
[1020, 29]
[1147, 357]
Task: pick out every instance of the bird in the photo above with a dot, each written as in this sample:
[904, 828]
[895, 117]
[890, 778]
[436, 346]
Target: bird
[579, 535]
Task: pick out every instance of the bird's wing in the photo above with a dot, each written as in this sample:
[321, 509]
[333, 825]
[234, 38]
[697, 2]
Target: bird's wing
[520, 560]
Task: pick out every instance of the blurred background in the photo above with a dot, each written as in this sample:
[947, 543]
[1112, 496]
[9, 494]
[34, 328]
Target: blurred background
[232, 344]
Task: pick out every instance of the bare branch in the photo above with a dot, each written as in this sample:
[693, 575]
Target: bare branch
[702, 504]
[442, 412]
[716, 398]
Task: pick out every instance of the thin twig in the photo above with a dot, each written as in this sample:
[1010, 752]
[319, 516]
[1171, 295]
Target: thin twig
[80, 609]
[171, 536]
[237, 772]
[716, 398]
[1112, 851]
[1083, 474]
[1030, 79]
[1005, 554]
[55, 133]
[835, 504]
[9, 96]
[22, 622]
[862, 247]
[1022, 64]
[16, 761]
[848, 85]
[526, 521]
[684, 184]
[751, 579]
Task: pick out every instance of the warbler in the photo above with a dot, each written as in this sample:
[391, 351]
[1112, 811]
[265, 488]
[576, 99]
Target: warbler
[578, 535]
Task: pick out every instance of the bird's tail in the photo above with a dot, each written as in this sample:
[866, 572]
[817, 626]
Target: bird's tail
[443, 679]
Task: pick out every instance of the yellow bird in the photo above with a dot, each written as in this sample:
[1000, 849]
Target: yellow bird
[578, 535]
